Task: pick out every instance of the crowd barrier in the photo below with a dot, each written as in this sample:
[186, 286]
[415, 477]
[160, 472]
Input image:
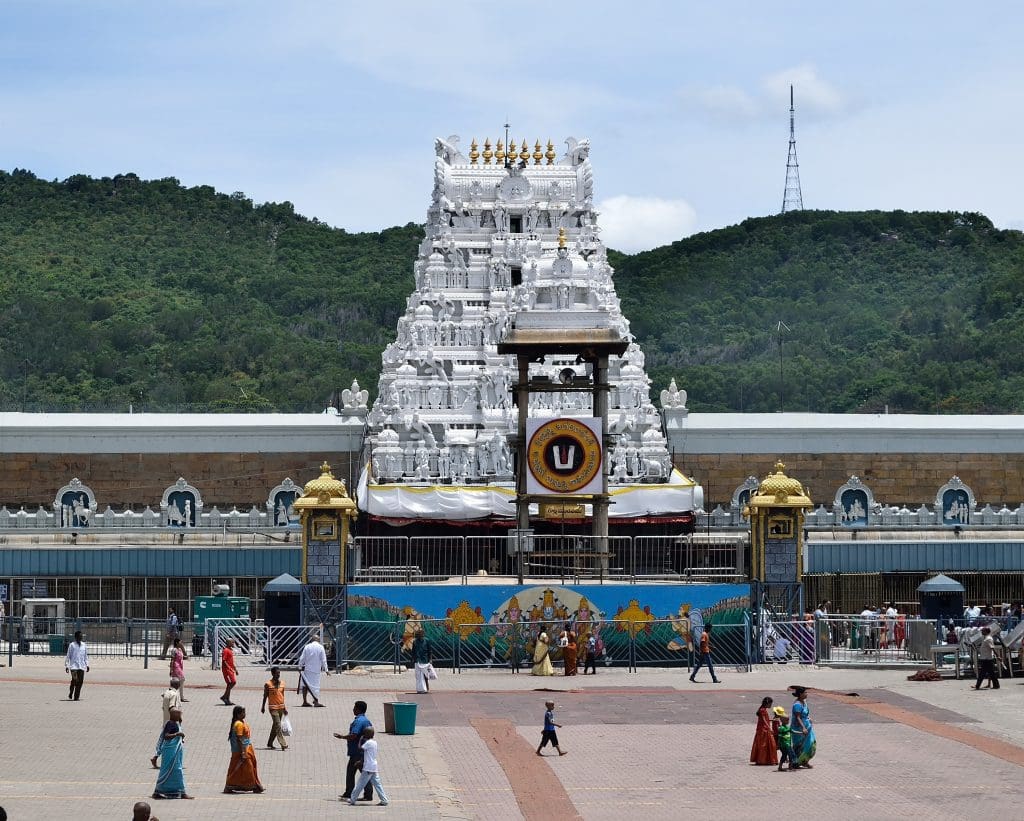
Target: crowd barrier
[835, 640]
[566, 557]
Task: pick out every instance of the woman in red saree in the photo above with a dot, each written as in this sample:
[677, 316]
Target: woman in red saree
[243, 775]
[765, 750]
[569, 654]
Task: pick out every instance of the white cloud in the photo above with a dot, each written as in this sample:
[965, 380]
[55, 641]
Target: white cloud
[812, 93]
[634, 224]
[815, 97]
[727, 103]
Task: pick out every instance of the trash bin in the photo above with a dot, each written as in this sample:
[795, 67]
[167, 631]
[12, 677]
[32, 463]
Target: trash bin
[389, 716]
[57, 647]
[405, 717]
[197, 644]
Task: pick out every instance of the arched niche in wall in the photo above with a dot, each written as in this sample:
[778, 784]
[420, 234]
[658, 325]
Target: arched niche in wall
[954, 503]
[74, 505]
[854, 503]
[181, 505]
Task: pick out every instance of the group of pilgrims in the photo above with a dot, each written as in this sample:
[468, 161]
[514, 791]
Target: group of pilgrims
[782, 739]
[243, 770]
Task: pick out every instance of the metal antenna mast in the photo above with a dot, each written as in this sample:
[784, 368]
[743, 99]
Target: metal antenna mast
[792, 198]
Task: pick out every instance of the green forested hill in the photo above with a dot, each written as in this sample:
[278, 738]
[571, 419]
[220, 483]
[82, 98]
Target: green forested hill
[119, 290]
[918, 311]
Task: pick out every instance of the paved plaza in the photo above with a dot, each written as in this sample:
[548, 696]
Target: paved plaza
[648, 744]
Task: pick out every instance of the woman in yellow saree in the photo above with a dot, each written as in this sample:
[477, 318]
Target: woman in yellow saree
[243, 775]
[542, 657]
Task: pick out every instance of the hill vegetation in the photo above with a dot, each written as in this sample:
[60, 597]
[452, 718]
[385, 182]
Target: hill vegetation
[119, 291]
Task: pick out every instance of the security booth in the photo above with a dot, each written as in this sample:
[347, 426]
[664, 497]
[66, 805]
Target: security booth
[282, 601]
[941, 598]
[43, 620]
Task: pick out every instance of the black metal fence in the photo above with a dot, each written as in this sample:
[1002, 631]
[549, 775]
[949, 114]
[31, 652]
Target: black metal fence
[110, 638]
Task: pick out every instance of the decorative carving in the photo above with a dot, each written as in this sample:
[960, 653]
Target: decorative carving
[673, 397]
[354, 397]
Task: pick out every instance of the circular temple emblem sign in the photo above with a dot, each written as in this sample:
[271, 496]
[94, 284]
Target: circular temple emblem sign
[564, 456]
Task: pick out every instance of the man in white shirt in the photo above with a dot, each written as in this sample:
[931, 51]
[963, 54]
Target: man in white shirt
[890, 625]
[782, 649]
[867, 632]
[987, 667]
[972, 612]
[312, 663]
[77, 664]
[170, 699]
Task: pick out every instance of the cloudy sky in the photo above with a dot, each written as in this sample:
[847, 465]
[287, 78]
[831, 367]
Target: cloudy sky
[334, 105]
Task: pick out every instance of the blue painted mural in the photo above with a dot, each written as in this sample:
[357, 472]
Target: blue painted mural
[497, 623]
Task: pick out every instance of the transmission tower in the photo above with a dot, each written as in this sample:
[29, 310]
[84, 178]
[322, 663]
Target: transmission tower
[792, 198]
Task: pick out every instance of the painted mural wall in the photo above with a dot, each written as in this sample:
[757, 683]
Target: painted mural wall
[489, 625]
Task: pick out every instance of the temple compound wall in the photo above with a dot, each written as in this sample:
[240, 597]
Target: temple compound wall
[897, 478]
[128, 460]
[903, 457]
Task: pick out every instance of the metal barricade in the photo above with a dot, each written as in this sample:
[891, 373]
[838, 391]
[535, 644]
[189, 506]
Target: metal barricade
[248, 636]
[575, 557]
[494, 555]
[283, 643]
[788, 641]
[380, 559]
[670, 643]
[362, 642]
[859, 639]
[438, 557]
[489, 645]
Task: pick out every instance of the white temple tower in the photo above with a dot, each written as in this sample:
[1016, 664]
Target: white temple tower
[511, 237]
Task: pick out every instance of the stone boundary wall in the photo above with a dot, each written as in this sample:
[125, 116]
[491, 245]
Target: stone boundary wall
[135, 480]
[910, 479]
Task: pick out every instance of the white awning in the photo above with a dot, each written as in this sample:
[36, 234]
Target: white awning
[468, 502]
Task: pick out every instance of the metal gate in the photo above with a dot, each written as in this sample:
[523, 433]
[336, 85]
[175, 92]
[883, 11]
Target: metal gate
[248, 636]
[284, 643]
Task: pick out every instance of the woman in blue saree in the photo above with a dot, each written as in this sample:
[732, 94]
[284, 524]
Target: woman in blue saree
[804, 742]
[170, 783]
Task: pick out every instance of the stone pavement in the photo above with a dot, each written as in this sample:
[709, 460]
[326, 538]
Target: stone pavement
[649, 743]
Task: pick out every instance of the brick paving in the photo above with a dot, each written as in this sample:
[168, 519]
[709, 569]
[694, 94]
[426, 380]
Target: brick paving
[649, 744]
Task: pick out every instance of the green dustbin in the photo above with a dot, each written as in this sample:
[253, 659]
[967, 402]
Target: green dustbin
[405, 717]
[57, 647]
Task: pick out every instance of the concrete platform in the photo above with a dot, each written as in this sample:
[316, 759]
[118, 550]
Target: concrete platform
[649, 743]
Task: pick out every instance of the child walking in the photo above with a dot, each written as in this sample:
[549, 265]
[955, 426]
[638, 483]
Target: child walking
[370, 773]
[785, 738]
[549, 733]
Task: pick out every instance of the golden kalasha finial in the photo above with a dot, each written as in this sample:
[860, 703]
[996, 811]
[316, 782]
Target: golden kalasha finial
[538, 155]
[325, 469]
[550, 153]
[487, 151]
[524, 153]
[474, 155]
[499, 155]
[561, 237]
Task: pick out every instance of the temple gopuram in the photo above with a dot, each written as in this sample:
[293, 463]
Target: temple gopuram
[512, 239]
